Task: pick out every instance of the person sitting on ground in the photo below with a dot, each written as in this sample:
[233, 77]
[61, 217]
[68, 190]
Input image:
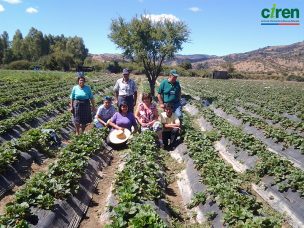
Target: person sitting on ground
[171, 126]
[104, 113]
[123, 118]
[147, 116]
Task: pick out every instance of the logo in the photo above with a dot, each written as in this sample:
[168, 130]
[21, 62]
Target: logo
[278, 16]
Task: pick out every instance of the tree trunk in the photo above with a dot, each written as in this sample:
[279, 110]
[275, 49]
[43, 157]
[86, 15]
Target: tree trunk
[152, 88]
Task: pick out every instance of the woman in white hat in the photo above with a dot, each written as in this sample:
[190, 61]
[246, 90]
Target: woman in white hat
[122, 123]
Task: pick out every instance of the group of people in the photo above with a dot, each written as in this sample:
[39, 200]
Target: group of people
[123, 121]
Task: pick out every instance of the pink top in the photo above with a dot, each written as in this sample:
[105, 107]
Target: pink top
[146, 115]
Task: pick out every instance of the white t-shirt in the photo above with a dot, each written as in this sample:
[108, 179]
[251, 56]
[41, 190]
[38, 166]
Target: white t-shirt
[164, 119]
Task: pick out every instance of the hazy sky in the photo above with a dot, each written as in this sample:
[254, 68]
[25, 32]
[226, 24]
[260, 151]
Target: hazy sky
[218, 27]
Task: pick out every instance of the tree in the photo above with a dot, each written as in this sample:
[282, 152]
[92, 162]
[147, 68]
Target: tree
[186, 65]
[149, 42]
[17, 45]
[75, 46]
[34, 45]
[4, 45]
[228, 66]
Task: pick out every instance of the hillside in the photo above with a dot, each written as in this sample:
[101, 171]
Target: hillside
[285, 59]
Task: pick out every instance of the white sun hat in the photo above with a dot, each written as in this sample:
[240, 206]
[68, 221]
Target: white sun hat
[119, 136]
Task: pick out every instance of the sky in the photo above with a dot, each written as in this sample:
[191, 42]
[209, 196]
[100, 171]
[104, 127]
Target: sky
[218, 27]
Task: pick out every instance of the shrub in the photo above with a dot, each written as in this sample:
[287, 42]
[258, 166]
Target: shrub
[19, 65]
[295, 78]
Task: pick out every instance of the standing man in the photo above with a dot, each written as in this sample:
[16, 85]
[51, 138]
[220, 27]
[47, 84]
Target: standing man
[169, 91]
[126, 90]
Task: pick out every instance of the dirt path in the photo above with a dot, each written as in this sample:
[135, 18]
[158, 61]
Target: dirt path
[98, 202]
[172, 192]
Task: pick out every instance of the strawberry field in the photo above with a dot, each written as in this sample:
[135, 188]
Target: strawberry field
[240, 161]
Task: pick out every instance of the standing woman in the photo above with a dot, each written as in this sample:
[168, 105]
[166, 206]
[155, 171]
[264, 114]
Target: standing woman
[81, 97]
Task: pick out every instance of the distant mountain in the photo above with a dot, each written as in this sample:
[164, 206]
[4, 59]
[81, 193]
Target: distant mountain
[278, 59]
[107, 57]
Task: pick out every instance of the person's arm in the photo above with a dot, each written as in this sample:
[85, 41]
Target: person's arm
[160, 100]
[179, 92]
[71, 107]
[93, 105]
[116, 97]
[113, 121]
[176, 123]
[137, 116]
[155, 117]
[135, 98]
[116, 91]
[134, 123]
[101, 121]
[159, 95]
[72, 97]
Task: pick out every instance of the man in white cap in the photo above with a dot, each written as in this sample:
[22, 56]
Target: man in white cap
[126, 90]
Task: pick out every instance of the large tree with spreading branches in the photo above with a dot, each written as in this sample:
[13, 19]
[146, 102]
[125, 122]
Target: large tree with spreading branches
[149, 42]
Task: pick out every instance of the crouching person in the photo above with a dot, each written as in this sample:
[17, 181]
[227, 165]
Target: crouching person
[171, 126]
[147, 116]
[104, 113]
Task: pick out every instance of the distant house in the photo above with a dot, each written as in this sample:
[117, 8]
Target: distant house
[220, 74]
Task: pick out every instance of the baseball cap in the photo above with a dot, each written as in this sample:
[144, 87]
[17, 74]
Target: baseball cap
[174, 73]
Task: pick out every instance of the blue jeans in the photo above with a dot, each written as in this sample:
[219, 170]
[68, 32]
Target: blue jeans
[177, 109]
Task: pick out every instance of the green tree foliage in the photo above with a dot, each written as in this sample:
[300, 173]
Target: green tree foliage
[148, 42]
[4, 46]
[17, 45]
[186, 65]
[51, 52]
[114, 67]
[34, 42]
[75, 47]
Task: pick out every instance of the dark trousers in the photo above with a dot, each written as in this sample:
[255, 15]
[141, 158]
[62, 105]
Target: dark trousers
[172, 135]
[127, 99]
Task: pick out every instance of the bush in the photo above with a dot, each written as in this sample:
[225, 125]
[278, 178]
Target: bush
[19, 65]
[295, 78]
[237, 75]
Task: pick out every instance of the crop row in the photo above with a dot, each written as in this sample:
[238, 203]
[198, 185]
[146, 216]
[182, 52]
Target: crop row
[7, 124]
[30, 105]
[277, 98]
[224, 186]
[140, 181]
[276, 133]
[33, 139]
[286, 175]
[59, 182]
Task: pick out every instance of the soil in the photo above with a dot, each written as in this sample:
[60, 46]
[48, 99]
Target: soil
[172, 192]
[98, 202]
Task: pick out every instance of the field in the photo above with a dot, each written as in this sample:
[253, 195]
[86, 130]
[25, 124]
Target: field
[240, 162]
